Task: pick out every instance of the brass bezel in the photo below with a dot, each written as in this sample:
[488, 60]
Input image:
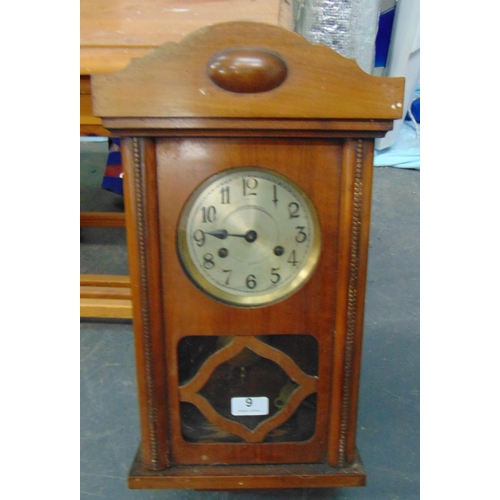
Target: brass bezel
[258, 300]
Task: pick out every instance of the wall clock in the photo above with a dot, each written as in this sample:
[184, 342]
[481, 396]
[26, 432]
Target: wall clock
[248, 160]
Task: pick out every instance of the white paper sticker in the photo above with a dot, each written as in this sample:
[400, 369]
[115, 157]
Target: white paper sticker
[249, 406]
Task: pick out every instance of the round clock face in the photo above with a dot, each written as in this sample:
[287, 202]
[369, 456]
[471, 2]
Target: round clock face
[249, 236]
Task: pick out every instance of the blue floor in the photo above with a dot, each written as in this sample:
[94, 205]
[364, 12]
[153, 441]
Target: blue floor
[388, 422]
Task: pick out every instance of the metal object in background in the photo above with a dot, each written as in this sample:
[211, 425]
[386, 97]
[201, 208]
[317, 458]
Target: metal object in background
[347, 26]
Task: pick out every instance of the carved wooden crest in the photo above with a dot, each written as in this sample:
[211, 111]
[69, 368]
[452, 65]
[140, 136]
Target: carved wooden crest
[185, 80]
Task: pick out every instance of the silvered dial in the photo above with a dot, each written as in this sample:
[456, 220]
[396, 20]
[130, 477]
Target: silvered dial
[249, 236]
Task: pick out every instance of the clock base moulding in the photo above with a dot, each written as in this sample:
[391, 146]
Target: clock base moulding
[240, 477]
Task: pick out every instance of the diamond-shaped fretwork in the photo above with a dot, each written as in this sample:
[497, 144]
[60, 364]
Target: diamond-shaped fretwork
[247, 374]
[248, 364]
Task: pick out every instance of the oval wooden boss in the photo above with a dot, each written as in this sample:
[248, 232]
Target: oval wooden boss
[247, 70]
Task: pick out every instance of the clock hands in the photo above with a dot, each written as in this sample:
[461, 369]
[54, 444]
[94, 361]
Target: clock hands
[222, 234]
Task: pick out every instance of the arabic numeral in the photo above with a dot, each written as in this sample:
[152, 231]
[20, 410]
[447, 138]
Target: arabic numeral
[300, 236]
[208, 261]
[293, 210]
[228, 271]
[199, 237]
[251, 282]
[249, 186]
[275, 276]
[208, 214]
[224, 194]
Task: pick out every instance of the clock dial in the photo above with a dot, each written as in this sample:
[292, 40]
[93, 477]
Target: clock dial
[249, 236]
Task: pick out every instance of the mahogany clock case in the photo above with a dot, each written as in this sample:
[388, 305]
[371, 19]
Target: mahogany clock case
[188, 312]
[315, 126]
[315, 310]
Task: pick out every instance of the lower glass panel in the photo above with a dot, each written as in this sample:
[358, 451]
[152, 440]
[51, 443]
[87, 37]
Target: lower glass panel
[197, 429]
[248, 389]
[299, 427]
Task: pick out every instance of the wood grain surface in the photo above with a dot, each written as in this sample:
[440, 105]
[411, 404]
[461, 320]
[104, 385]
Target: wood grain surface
[179, 128]
[114, 31]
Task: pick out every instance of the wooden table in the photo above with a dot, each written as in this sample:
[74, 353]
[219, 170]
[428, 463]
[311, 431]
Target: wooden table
[111, 33]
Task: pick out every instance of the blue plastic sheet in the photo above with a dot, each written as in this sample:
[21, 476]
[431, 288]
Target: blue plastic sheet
[404, 153]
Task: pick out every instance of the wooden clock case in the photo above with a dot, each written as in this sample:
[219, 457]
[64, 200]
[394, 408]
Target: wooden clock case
[247, 94]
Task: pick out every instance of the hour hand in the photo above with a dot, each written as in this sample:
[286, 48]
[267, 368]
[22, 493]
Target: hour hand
[218, 233]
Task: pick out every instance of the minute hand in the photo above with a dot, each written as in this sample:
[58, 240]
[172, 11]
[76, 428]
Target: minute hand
[222, 234]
